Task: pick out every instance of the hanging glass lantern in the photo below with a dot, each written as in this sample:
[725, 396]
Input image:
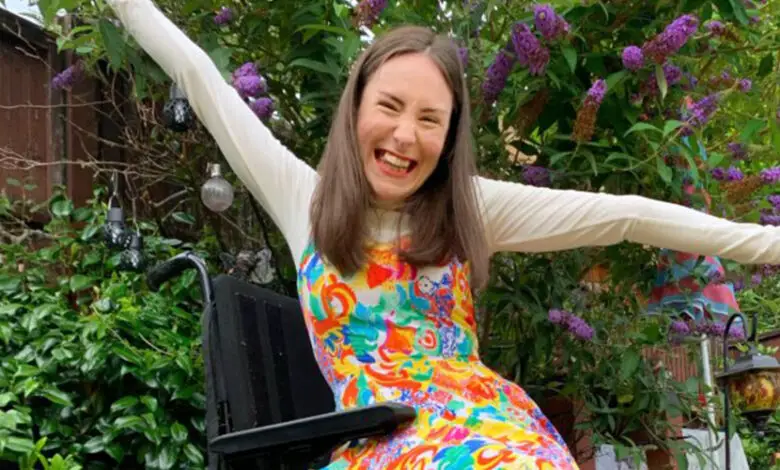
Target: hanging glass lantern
[753, 386]
[177, 113]
[132, 259]
[216, 193]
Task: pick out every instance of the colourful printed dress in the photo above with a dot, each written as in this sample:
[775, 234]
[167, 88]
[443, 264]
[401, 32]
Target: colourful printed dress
[395, 333]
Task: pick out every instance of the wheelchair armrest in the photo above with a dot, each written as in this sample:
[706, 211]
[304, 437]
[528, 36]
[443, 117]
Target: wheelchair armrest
[314, 434]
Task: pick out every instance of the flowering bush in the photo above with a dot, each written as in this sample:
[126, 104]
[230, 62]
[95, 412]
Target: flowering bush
[621, 97]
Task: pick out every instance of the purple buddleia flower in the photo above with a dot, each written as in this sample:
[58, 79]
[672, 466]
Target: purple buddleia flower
[680, 328]
[528, 50]
[262, 107]
[249, 68]
[536, 175]
[700, 113]
[369, 11]
[738, 151]
[633, 58]
[770, 175]
[734, 174]
[497, 74]
[770, 219]
[774, 199]
[756, 279]
[597, 91]
[557, 317]
[579, 328]
[549, 24]
[739, 285]
[672, 73]
[745, 85]
[224, 16]
[716, 28]
[672, 39]
[68, 77]
[250, 86]
[463, 55]
[719, 174]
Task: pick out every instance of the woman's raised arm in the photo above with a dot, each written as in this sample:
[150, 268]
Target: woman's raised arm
[532, 219]
[280, 181]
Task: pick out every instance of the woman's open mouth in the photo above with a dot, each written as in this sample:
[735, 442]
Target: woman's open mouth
[393, 164]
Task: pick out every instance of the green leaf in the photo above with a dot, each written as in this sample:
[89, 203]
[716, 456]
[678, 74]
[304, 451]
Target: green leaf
[766, 65]
[124, 403]
[570, 54]
[642, 126]
[150, 402]
[62, 208]
[80, 282]
[751, 128]
[629, 364]
[660, 77]
[130, 422]
[664, 171]
[671, 125]
[194, 455]
[314, 65]
[21, 445]
[10, 309]
[615, 78]
[115, 45]
[94, 445]
[56, 396]
[221, 57]
[179, 432]
[183, 217]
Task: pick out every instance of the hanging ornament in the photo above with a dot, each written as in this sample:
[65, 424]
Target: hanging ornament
[177, 113]
[132, 259]
[216, 193]
[114, 229]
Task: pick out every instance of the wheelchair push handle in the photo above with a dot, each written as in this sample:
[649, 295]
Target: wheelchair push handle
[173, 267]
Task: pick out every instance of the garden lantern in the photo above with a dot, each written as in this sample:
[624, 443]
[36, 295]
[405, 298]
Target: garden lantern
[752, 383]
[177, 113]
[216, 193]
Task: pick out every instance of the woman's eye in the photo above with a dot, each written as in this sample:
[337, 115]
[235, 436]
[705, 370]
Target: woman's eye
[387, 105]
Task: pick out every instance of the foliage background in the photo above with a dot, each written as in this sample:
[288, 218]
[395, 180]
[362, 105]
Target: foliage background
[117, 378]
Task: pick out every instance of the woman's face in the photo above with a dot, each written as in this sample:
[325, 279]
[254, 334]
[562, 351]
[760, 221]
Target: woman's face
[402, 125]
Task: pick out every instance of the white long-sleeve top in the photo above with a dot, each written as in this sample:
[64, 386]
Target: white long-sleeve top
[517, 217]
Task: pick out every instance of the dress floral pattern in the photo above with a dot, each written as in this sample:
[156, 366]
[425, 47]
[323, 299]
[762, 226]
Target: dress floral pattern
[392, 332]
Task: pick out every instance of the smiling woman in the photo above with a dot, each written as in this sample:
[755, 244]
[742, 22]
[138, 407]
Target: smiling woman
[393, 231]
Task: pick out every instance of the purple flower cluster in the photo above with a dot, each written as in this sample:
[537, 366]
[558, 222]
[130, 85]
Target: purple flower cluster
[774, 199]
[536, 175]
[633, 58]
[732, 174]
[576, 325]
[529, 50]
[497, 74]
[716, 28]
[672, 74]
[597, 92]
[463, 55]
[585, 122]
[263, 107]
[369, 11]
[699, 113]
[224, 16]
[738, 151]
[248, 81]
[672, 39]
[745, 85]
[251, 85]
[769, 217]
[68, 77]
[681, 328]
[549, 24]
[771, 175]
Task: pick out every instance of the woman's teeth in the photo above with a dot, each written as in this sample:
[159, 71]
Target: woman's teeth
[394, 161]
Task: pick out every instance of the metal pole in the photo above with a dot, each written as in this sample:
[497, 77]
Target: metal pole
[707, 372]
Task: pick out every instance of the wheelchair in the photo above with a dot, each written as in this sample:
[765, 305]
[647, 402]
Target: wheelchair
[268, 406]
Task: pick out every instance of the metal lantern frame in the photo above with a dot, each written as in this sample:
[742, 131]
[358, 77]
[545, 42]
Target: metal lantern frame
[749, 364]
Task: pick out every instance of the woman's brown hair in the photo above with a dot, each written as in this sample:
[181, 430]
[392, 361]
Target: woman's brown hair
[443, 214]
